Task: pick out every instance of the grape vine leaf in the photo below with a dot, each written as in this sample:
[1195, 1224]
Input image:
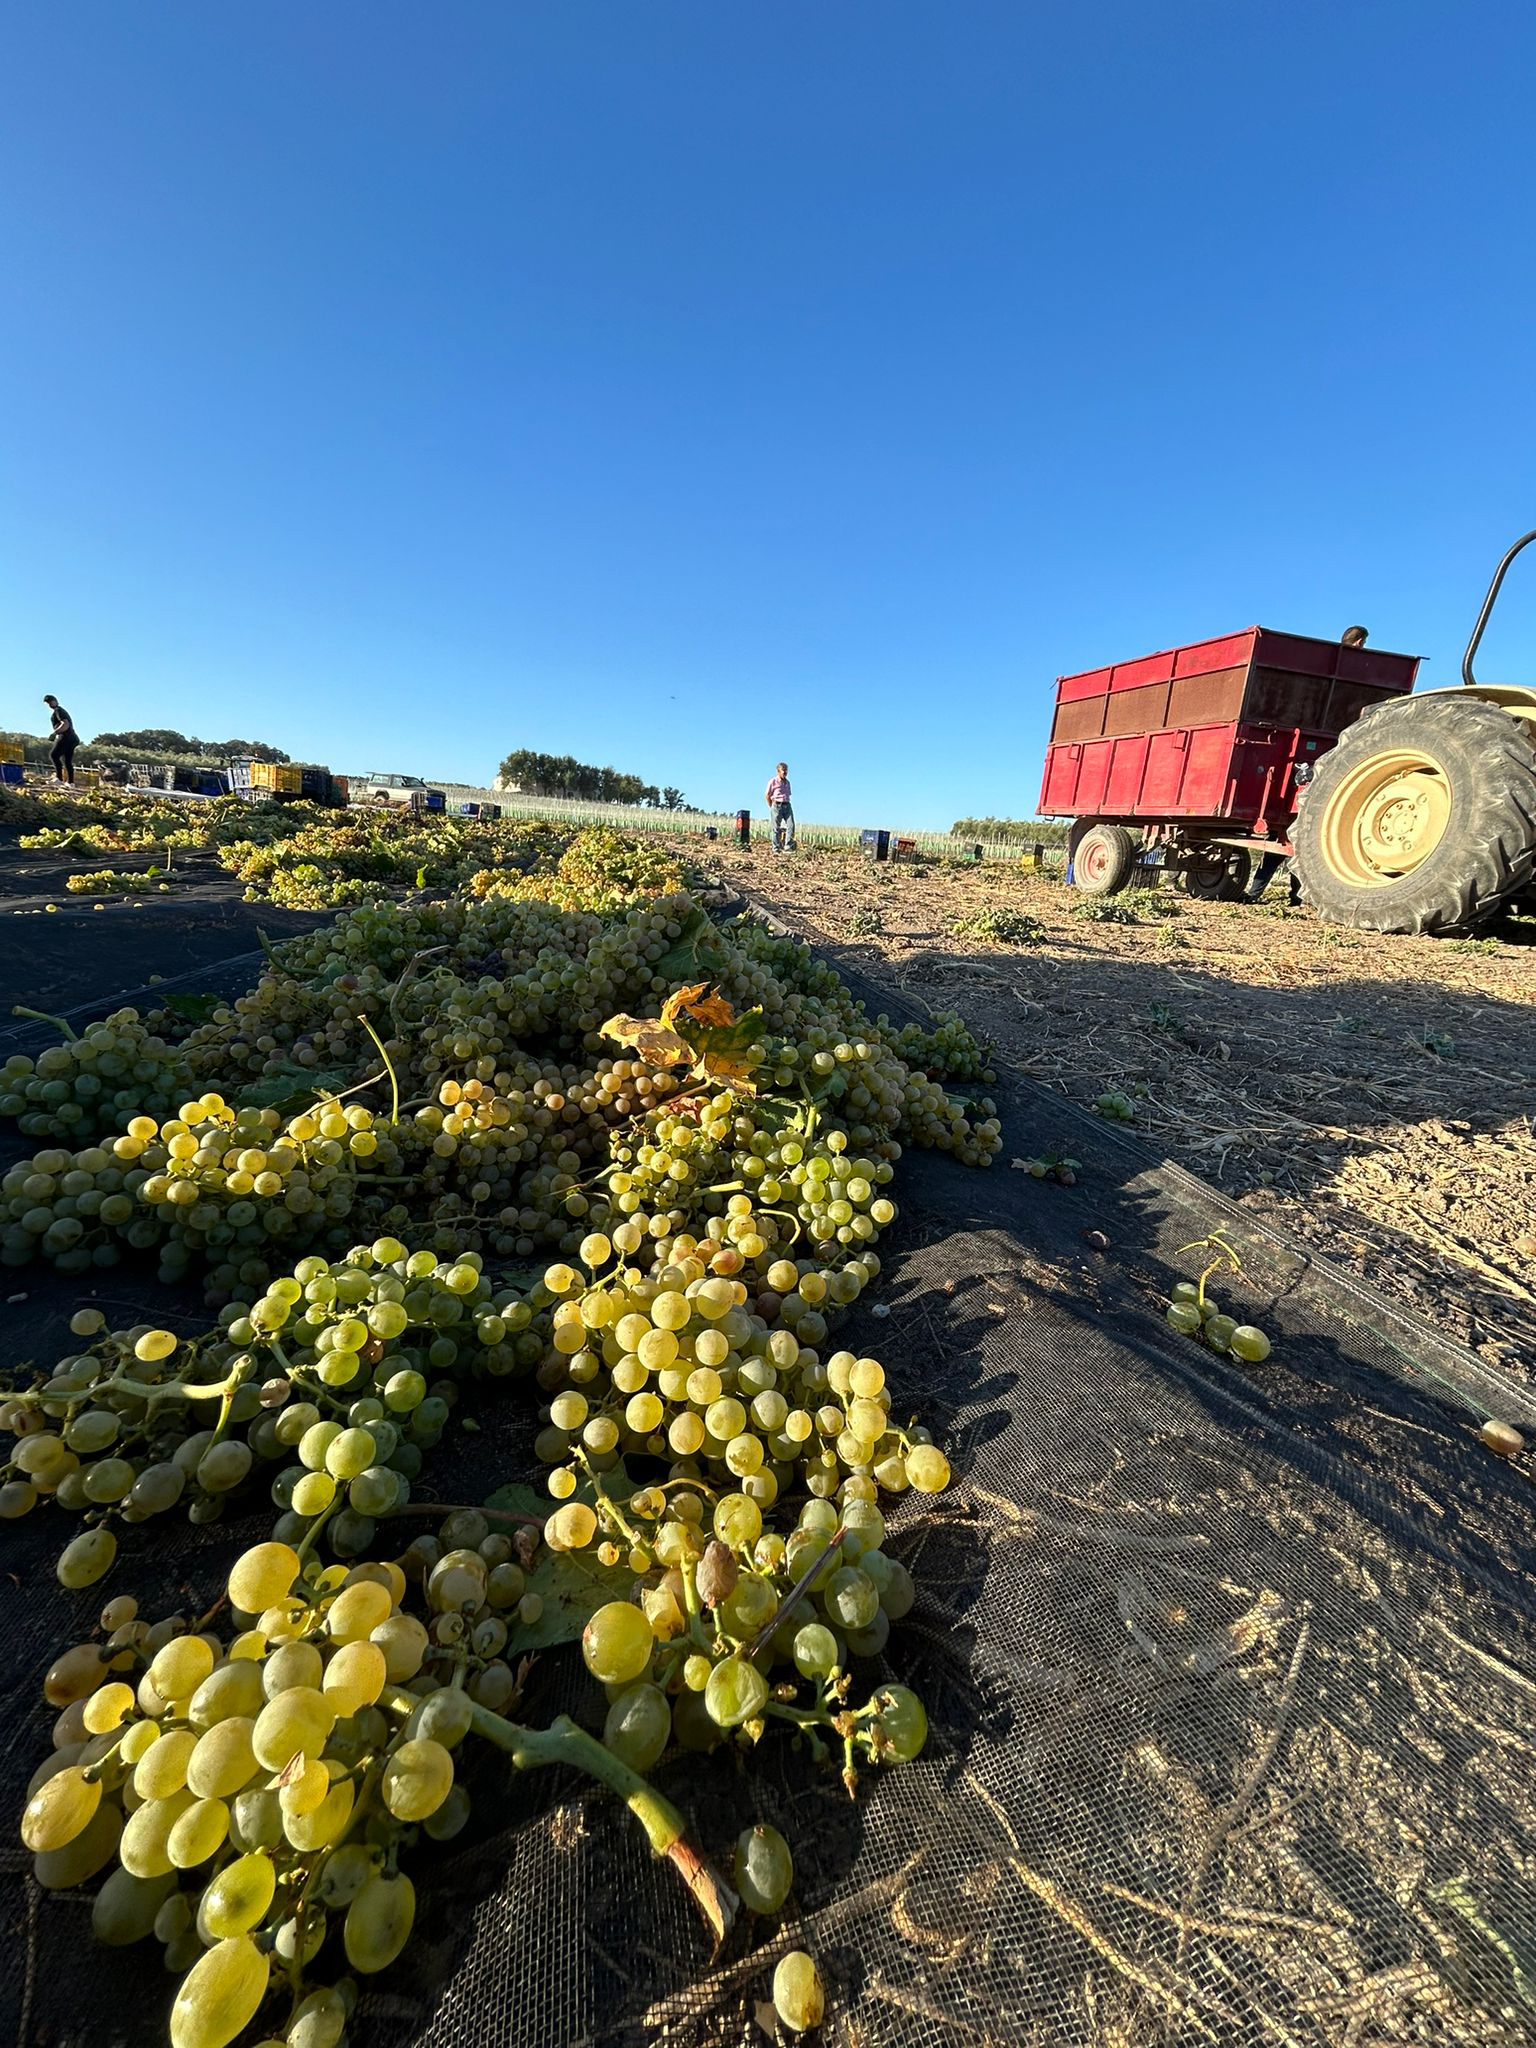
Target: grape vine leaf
[652, 1040]
[694, 951]
[195, 1009]
[572, 1584]
[697, 1006]
[718, 1046]
[730, 1051]
[294, 1089]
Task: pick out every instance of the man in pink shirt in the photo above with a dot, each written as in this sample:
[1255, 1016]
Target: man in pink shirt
[781, 810]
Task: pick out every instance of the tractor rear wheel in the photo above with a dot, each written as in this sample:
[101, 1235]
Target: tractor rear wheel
[1421, 819]
[1103, 860]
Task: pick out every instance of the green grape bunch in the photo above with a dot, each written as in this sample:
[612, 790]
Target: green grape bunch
[248, 1796]
[329, 1389]
[92, 1083]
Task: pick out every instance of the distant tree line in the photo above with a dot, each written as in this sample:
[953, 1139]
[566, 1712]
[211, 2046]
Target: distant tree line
[153, 746]
[1012, 831]
[537, 774]
[157, 739]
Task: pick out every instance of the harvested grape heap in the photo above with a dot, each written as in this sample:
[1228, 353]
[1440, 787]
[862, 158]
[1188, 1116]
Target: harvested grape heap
[570, 1145]
[301, 854]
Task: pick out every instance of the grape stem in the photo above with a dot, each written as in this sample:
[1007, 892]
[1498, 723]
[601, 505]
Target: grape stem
[564, 1743]
[136, 1390]
[43, 1017]
[1225, 1257]
[609, 1503]
[336, 1501]
[394, 1079]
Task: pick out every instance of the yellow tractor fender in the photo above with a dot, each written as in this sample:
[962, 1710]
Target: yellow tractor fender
[1515, 698]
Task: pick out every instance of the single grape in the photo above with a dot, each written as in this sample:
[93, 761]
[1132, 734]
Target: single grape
[616, 1643]
[179, 1668]
[450, 1818]
[289, 1665]
[106, 1709]
[125, 1909]
[638, 1726]
[299, 1719]
[417, 1779]
[60, 1810]
[263, 1576]
[814, 1650]
[346, 1870]
[798, 1995]
[223, 1760]
[902, 1722]
[736, 1691]
[355, 1676]
[1249, 1343]
[927, 1469]
[764, 1869]
[320, 2020]
[220, 1995]
[377, 1926]
[358, 1610]
[445, 1717]
[162, 1771]
[88, 1558]
[239, 1896]
[197, 1832]
[851, 1599]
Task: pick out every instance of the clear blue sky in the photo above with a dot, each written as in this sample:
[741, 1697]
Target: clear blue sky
[686, 385]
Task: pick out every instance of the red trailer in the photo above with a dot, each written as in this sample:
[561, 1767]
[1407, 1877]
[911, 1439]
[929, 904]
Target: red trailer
[1197, 751]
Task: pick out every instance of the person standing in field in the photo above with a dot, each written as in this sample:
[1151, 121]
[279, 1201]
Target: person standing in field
[781, 809]
[65, 741]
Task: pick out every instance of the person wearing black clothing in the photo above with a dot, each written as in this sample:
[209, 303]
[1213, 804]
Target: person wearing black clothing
[65, 741]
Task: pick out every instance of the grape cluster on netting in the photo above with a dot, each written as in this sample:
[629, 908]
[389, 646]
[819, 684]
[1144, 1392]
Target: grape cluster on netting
[250, 1793]
[513, 1113]
[91, 1084]
[329, 1388]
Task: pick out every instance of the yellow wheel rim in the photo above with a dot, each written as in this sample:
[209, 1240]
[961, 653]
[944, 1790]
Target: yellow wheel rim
[1386, 818]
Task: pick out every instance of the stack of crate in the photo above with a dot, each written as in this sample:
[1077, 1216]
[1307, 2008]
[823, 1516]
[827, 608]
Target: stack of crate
[12, 755]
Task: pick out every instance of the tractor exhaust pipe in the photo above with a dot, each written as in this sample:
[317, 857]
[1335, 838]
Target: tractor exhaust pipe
[1467, 676]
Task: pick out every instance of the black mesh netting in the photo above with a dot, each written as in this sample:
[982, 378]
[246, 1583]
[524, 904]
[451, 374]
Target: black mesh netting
[1231, 1673]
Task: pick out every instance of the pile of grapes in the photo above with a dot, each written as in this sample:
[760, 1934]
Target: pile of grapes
[566, 1145]
[302, 855]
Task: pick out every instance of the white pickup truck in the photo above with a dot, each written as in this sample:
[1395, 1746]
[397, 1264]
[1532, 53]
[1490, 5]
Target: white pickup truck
[395, 789]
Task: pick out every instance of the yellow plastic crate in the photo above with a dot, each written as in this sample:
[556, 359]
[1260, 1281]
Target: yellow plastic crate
[12, 750]
[281, 776]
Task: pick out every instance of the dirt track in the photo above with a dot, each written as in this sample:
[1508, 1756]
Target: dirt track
[1374, 1097]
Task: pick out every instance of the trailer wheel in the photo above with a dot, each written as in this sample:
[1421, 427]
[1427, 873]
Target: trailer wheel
[1421, 819]
[1103, 860]
[1218, 875]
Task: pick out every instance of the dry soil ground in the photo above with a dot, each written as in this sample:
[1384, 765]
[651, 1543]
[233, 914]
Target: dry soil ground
[1373, 1097]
